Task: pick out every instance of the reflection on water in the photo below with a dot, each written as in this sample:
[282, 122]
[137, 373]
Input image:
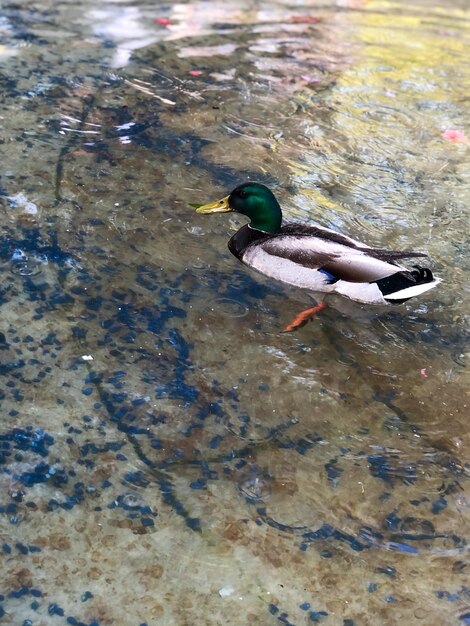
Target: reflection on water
[166, 453]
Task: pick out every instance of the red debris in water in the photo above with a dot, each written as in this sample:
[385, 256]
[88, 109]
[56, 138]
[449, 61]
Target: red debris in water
[456, 136]
[162, 21]
[304, 19]
[196, 73]
[424, 373]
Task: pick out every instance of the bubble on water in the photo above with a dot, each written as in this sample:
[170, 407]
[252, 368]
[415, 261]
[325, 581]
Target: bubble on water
[414, 526]
[18, 255]
[255, 487]
[230, 308]
[247, 429]
[132, 500]
[26, 267]
[196, 230]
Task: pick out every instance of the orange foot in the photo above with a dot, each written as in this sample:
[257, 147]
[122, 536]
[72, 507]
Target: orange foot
[302, 318]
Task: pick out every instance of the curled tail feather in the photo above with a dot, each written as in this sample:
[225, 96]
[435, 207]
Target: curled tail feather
[403, 285]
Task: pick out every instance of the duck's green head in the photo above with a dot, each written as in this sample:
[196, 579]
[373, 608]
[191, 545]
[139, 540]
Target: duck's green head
[255, 201]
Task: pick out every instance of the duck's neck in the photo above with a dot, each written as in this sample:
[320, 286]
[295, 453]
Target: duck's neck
[268, 219]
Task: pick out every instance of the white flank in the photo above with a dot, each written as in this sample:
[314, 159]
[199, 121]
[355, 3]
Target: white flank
[286, 271]
[368, 293]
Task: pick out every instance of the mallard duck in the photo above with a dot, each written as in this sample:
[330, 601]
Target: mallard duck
[316, 258]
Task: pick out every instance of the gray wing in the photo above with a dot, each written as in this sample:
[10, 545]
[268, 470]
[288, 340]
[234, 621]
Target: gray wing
[343, 262]
[319, 232]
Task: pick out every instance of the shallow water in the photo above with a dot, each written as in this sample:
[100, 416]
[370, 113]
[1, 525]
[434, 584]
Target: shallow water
[167, 455]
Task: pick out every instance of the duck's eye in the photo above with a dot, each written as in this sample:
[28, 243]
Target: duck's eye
[243, 194]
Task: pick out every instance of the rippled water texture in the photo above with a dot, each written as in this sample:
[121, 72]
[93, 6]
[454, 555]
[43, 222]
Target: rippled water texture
[167, 456]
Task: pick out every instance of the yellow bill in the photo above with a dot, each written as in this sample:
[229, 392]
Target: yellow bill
[221, 206]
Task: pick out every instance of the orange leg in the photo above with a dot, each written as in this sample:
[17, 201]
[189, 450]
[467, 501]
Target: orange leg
[302, 318]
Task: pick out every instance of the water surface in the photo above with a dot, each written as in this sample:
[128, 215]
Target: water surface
[167, 455]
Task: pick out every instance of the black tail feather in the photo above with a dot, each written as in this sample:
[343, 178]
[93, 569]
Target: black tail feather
[403, 280]
[422, 275]
[393, 255]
